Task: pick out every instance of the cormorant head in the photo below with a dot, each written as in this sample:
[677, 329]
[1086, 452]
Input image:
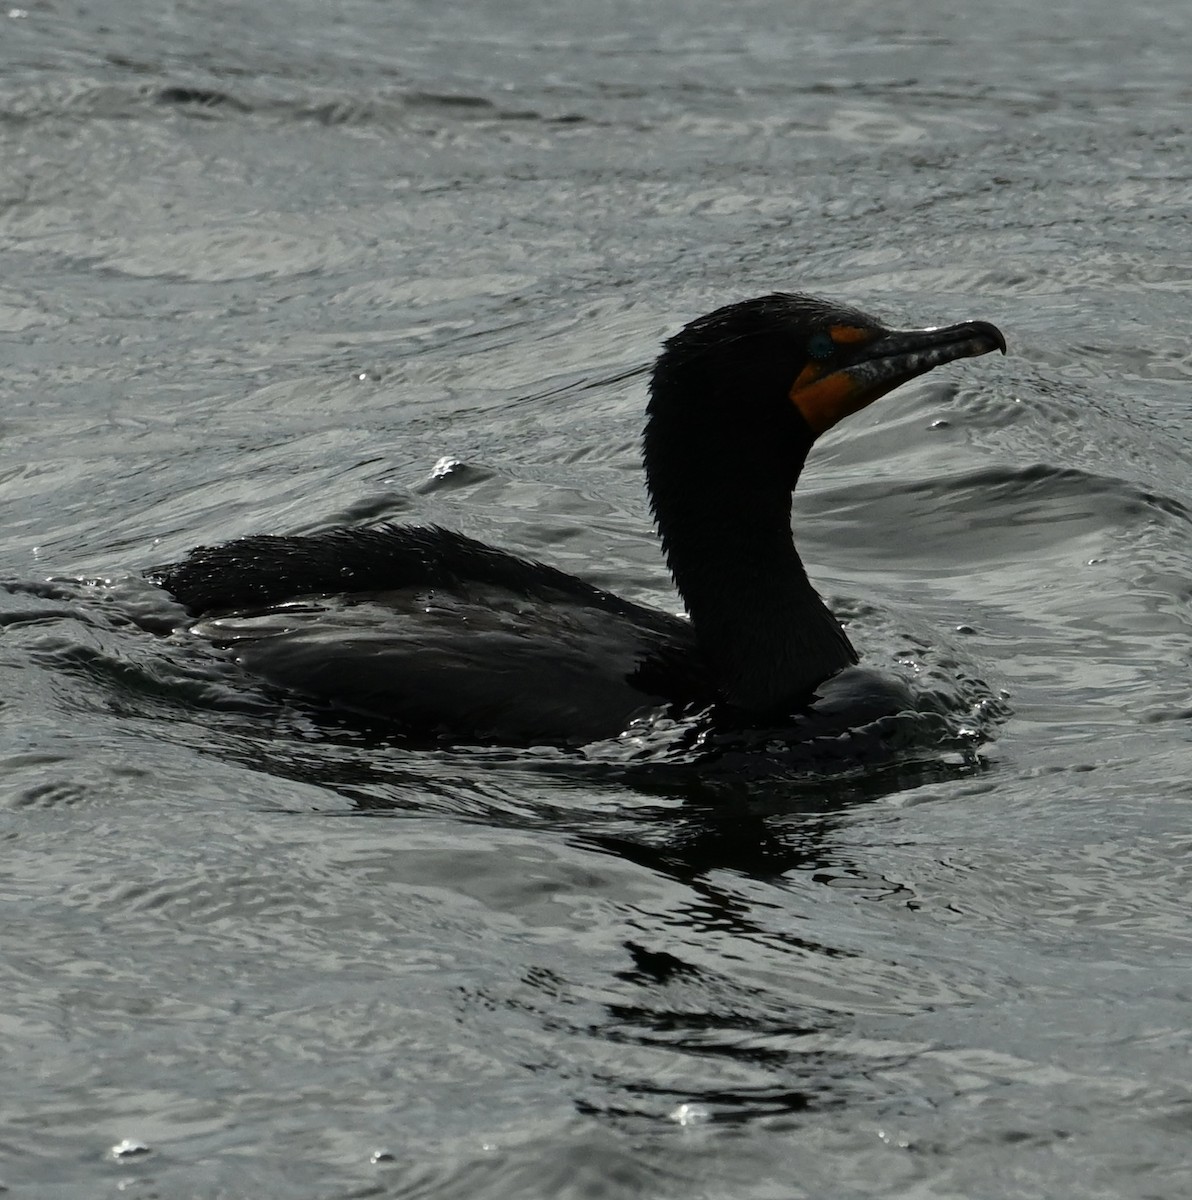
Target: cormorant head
[736, 401]
[786, 365]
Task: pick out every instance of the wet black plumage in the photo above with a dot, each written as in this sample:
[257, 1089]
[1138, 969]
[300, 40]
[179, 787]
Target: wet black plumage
[441, 633]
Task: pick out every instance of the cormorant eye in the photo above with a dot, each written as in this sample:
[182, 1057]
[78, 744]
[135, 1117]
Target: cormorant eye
[821, 345]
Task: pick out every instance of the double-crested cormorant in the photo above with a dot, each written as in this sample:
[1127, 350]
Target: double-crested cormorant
[439, 633]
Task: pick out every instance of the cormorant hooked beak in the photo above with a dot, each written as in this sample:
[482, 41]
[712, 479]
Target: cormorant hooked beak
[866, 364]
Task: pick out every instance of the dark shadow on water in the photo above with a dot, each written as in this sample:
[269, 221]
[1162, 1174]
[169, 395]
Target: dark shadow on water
[679, 1032]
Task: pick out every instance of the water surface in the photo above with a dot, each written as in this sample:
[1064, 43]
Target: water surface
[259, 271]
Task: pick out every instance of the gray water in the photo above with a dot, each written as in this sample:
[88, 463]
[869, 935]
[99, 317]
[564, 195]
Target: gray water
[261, 267]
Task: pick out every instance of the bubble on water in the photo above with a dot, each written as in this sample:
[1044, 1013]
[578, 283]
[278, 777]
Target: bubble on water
[893, 1139]
[690, 1114]
[129, 1148]
[446, 466]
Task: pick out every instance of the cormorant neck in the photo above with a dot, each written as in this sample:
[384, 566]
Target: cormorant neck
[723, 508]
